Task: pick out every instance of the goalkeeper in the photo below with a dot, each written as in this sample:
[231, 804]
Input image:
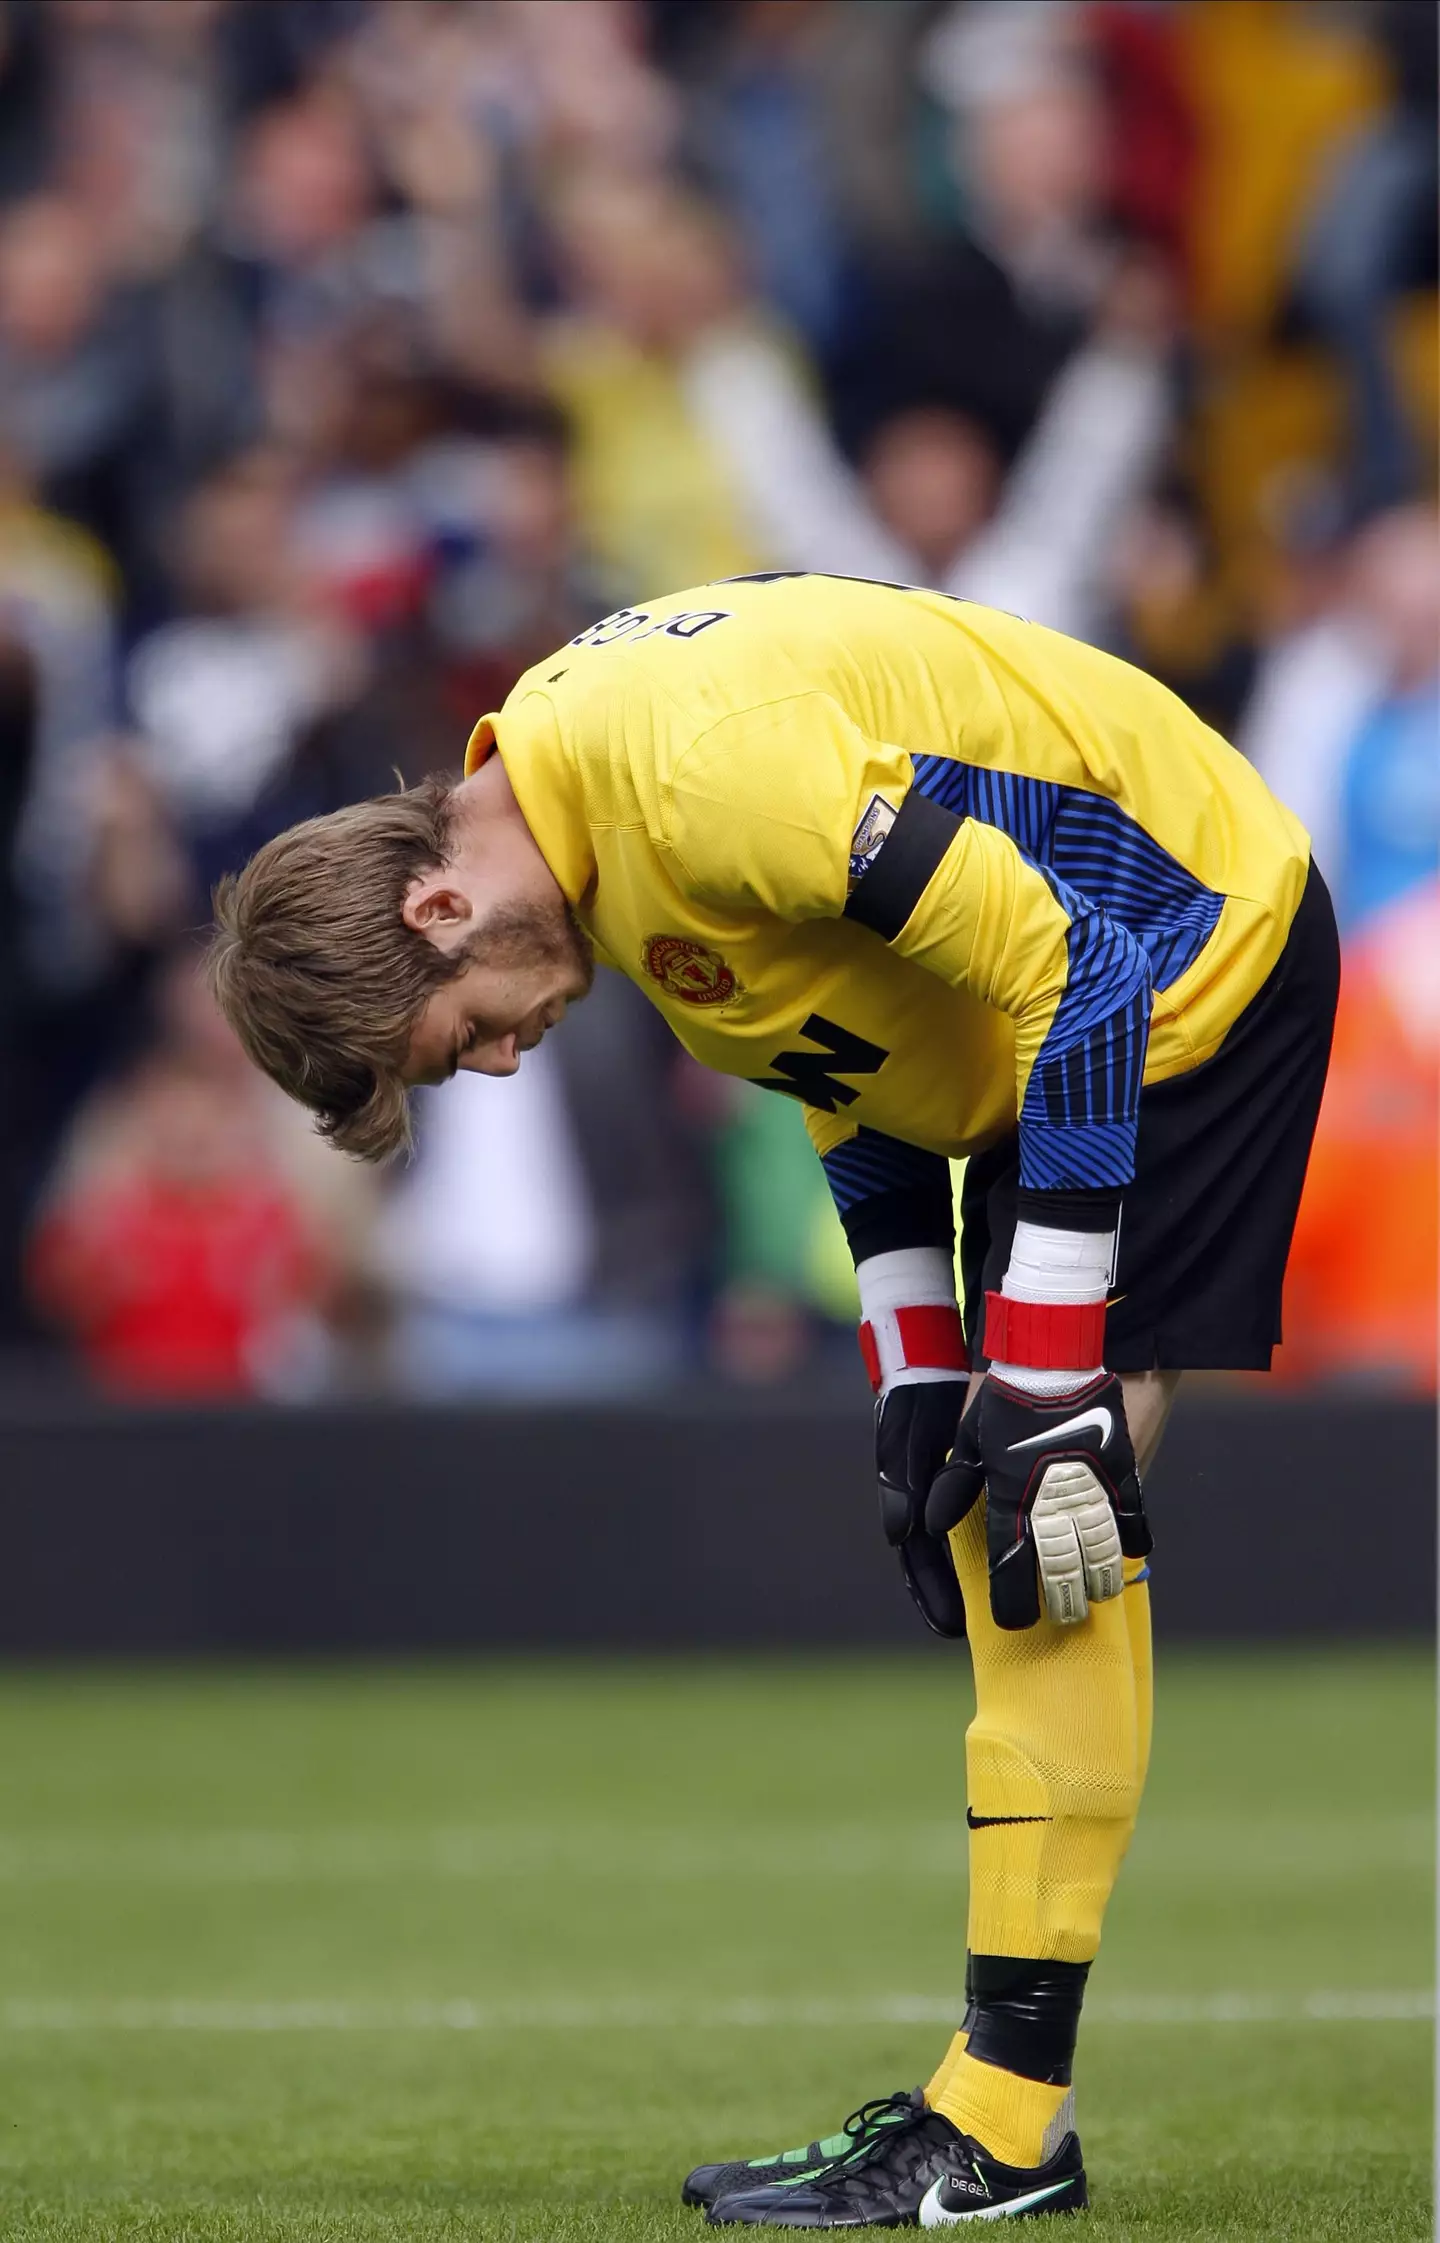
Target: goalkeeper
[963, 887]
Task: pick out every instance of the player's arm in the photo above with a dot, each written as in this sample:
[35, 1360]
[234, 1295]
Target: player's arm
[1048, 1437]
[895, 1203]
[764, 811]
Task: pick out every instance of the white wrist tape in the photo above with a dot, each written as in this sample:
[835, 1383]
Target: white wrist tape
[1051, 1265]
[910, 1330]
[1060, 1268]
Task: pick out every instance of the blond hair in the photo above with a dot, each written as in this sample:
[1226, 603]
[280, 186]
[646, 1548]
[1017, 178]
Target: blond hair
[316, 971]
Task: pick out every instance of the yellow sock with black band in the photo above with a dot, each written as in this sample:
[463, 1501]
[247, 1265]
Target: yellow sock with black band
[1056, 1756]
[1010, 2085]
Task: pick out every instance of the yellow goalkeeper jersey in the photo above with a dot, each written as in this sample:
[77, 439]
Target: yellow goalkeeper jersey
[928, 868]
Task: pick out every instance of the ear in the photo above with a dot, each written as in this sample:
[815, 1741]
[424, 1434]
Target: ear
[433, 905]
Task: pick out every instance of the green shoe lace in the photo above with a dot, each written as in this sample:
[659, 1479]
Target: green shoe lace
[857, 2132]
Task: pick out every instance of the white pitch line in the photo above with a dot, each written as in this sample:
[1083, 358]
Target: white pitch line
[1172, 1849]
[1366, 2006]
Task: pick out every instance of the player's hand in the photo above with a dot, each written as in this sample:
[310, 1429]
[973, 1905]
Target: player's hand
[914, 1350]
[914, 1429]
[1062, 1493]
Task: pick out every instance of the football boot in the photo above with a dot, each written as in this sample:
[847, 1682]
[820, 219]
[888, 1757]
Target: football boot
[921, 2171]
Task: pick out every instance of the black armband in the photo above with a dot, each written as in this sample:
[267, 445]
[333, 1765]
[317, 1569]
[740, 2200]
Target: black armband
[885, 896]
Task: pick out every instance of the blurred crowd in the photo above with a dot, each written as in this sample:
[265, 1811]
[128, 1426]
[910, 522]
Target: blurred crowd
[355, 353]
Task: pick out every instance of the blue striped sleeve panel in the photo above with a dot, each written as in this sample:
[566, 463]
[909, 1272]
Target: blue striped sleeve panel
[1081, 1107]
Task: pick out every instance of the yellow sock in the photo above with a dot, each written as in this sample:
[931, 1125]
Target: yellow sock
[941, 2077]
[1056, 1758]
[1055, 1742]
[1013, 2117]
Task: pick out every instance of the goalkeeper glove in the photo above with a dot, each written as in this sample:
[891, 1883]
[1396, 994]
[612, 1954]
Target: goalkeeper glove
[914, 1350]
[1049, 1445]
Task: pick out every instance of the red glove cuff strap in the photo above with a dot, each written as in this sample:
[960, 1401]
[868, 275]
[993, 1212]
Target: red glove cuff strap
[931, 1339]
[1045, 1335]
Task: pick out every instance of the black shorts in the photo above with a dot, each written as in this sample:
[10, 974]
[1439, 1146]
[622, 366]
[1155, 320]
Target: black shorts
[1220, 1160]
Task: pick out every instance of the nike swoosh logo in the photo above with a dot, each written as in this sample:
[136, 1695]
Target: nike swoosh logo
[1081, 1424]
[988, 1822]
[935, 2214]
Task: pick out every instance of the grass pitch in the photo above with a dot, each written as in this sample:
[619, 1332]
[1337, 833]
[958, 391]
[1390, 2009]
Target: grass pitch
[499, 1952]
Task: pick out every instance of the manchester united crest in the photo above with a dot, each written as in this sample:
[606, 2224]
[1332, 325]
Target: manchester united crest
[691, 971]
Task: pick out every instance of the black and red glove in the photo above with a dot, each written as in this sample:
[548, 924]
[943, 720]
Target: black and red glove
[914, 1350]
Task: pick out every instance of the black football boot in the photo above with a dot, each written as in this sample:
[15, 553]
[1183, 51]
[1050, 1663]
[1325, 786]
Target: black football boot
[921, 2172]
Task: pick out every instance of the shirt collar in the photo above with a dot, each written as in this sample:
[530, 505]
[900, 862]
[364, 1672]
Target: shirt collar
[526, 733]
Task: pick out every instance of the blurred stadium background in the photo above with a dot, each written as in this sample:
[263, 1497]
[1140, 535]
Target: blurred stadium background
[354, 353]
